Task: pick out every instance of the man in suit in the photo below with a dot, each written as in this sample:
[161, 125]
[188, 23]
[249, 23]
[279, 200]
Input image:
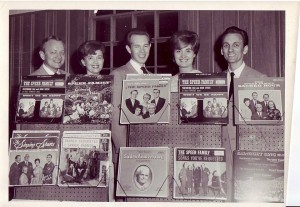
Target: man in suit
[93, 162]
[253, 102]
[234, 47]
[80, 168]
[159, 102]
[15, 171]
[52, 52]
[259, 114]
[48, 170]
[197, 179]
[265, 103]
[131, 102]
[29, 166]
[138, 46]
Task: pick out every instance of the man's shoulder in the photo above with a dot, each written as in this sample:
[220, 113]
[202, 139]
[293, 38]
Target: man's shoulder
[122, 69]
[40, 71]
[250, 72]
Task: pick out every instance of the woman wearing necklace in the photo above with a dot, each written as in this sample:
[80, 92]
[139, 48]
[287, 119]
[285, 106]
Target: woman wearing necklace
[185, 46]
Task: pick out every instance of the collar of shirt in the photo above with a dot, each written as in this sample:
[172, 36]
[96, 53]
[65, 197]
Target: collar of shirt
[137, 66]
[48, 70]
[238, 71]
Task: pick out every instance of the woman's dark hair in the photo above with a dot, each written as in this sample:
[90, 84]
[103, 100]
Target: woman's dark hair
[89, 48]
[37, 159]
[246, 99]
[181, 39]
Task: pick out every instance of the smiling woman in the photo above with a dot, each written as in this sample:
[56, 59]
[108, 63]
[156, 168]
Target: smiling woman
[91, 54]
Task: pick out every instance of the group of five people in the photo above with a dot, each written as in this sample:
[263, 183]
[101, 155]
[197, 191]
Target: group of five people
[184, 44]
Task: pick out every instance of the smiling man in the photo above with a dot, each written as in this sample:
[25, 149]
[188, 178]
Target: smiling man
[234, 47]
[52, 52]
[138, 46]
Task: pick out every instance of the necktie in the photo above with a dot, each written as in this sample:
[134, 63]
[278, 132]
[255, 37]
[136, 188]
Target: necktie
[231, 84]
[144, 70]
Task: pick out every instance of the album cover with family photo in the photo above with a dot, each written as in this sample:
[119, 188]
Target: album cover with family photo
[259, 100]
[145, 101]
[143, 172]
[88, 100]
[33, 160]
[41, 99]
[203, 98]
[200, 173]
[258, 176]
[85, 158]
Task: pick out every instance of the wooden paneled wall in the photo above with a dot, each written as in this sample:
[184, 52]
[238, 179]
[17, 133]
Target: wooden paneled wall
[266, 31]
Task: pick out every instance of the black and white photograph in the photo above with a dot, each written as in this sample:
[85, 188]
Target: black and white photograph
[51, 108]
[200, 173]
[259, 101]
[186, 76]
[26, 108]
[145, 101]
[143, 172]
[142, 177]
[203, 98]
[33, 161]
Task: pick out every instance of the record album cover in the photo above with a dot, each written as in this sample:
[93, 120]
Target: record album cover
[33, 160]
[143, 172]
[41, 99]
[200, 173]
[145, 101]
[85, 158]
[88, 100]
[203, 98]
[259, 100]
[259, 176]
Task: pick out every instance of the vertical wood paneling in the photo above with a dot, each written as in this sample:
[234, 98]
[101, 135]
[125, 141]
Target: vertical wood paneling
[205, 57]
[40, 26]
[265, 45]
[26, 52]
[50, 23]
[77, 37]
[244, 23]
[61, 25]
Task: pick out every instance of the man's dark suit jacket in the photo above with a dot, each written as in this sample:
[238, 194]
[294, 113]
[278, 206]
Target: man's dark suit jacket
[265, 107]
[130, 106]
[42, 71]
[252, 105]
[14, 174]
[255, 116]
[160, 104]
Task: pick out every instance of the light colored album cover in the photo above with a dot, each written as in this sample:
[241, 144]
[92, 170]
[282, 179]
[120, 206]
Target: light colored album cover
[200, 173]
[81, 157]
[33, 161]
[259, 100]
[143, 172]
[145, 101]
